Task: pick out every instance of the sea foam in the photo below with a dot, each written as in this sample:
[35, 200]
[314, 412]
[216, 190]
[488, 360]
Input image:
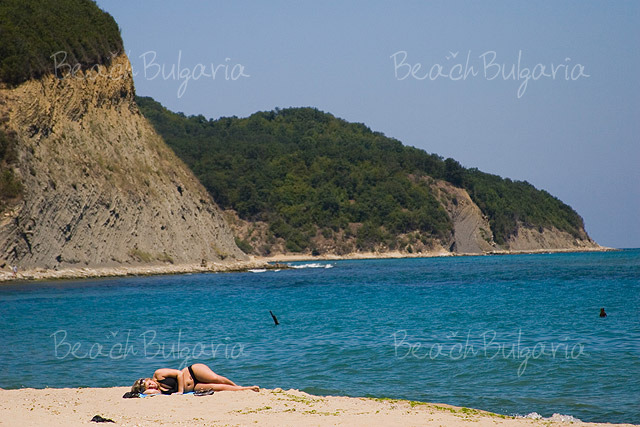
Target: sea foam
[311, 265]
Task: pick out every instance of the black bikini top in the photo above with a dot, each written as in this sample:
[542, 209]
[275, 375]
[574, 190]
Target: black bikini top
[170, 382]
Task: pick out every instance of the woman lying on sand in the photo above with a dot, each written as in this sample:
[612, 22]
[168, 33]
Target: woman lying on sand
[197, 377]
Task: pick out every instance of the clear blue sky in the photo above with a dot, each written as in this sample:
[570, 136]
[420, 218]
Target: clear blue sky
[577, 138]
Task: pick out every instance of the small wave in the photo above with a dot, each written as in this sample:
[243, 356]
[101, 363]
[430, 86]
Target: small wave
[257, 270]
[312, 265]
[564, 418]
[555, 418]
[532, 416]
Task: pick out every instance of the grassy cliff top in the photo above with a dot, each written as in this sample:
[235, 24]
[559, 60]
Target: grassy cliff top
[36, 33]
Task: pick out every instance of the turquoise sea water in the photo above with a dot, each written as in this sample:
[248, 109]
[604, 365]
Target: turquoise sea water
[508, 334]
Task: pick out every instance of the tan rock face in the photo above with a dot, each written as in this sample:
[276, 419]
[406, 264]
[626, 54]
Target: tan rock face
[472, 233]
[101, 187]
[471, 230]
[533, 239]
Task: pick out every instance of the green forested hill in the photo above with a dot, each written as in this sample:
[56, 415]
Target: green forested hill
[301, 170]
[31, 31]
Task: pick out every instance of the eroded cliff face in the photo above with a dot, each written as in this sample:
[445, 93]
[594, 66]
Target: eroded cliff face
[472, 233]
[471, 230]
[101, 188]
[536, 239]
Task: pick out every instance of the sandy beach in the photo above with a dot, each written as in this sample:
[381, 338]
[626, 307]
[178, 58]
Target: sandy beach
[71, 407]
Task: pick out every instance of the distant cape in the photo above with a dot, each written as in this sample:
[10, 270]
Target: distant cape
[299, 180]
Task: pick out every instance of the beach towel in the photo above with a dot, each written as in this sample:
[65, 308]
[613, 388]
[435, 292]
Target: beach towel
[129, 395]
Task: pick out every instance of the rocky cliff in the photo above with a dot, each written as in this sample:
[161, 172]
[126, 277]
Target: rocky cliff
[531, 239]
[472, 232]
[99, 186]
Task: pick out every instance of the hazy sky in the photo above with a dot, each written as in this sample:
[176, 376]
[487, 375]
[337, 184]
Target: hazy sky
[435, 75]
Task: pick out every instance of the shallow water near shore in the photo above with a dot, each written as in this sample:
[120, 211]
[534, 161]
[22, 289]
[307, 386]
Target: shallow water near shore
[508, 334]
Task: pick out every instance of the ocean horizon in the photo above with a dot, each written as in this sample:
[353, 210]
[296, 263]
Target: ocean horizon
[508, 334]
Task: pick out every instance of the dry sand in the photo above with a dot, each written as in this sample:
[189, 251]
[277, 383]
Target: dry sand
[71, 407]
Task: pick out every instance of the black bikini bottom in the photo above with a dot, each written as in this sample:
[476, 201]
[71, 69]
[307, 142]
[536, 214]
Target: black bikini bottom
[195, 381]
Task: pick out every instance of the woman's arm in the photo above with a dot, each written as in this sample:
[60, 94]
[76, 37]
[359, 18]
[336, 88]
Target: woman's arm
[163, 373]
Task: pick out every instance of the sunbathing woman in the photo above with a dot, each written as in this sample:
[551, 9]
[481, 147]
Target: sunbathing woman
[197, 377]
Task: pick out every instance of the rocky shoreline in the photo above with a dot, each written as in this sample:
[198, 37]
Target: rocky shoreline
[274, 262]
[140, 270]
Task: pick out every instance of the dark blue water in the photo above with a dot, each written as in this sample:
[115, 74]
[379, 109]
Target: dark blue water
[509, 334]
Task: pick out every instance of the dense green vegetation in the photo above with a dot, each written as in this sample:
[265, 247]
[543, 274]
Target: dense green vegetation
[31, 31]
[300, 168]
[508, 202]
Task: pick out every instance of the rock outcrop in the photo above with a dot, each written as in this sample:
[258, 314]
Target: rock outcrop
[471, 230]
[527, 239]
[100, 187]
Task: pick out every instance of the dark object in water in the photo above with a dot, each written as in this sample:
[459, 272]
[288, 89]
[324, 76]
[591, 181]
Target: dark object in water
[99, 419]
[275, 319]
[130, 394]
[203, 393]
[602, 313]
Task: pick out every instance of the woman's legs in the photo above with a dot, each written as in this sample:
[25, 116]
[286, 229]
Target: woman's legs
[223, 387]
[204, 374]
